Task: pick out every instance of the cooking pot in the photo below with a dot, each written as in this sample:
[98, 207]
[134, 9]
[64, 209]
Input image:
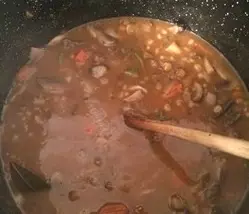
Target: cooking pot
[24, 24]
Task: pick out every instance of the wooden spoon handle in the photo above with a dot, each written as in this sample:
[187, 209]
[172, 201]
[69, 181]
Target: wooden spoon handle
[229, 145]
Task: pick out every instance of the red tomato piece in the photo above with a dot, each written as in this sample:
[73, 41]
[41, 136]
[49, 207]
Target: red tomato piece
[173, 90]
[81, 57]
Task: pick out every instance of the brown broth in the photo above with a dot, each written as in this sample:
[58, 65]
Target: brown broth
[63, 119]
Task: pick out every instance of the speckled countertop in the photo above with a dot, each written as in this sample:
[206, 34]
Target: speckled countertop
[27, 23]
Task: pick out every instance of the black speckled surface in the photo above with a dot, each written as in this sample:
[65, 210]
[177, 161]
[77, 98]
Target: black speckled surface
[223, 23]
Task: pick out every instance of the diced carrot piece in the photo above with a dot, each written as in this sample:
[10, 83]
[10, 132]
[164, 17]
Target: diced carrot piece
[81, 56]
[173, 90]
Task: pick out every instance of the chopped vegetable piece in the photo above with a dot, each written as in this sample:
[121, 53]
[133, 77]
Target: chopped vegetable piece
[198, 92]
[180, 73]
[36, 54]
[56, 40]
[136, 96]
[208, 67]
[175, 29]
[81, 57]
[101, 37]
[218, 109]
[222, 74]
[138, 87]
[211, 99]
[98, 71]
[167, 66]
[111, 32]
[173, 48]
[173, 90]
[204, 76]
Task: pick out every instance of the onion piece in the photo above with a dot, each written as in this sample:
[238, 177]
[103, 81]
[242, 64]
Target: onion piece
[36, 54]
[198, 92]
[208, 67]
[173, 48]
[112, 33]
[98, 71]
[136, 96]
[175, 29]
[56, 40]
[101, 37]
[222, 74]
[138, 87]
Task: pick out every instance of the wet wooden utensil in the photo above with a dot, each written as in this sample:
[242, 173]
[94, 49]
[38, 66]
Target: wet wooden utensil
[229, 145]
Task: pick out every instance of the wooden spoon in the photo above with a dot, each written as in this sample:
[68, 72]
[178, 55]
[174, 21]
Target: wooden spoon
[229, 145]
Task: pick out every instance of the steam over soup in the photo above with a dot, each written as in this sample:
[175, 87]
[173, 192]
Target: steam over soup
[63, 121]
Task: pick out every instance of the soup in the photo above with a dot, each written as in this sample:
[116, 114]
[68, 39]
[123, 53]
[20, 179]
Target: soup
[63, 120]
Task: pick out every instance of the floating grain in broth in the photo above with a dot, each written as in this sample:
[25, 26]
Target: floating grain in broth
[63, 119]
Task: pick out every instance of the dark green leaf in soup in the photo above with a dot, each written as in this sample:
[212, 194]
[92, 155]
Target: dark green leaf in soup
[52, 85]
[25, 180]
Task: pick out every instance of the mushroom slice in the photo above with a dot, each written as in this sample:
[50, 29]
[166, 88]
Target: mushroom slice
[101, 37]
[136, 96]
